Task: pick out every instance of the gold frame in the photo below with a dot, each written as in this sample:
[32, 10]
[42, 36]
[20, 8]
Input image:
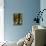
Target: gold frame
[17, 19]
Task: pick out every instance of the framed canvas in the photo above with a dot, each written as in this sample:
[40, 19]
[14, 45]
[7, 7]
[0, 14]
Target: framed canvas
[17, 19]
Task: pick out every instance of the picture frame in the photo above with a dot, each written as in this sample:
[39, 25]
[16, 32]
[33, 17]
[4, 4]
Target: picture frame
[17, 18]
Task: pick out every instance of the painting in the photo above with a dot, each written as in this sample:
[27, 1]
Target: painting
[17, 18]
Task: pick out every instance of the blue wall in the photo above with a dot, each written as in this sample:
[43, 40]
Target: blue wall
[28, 9]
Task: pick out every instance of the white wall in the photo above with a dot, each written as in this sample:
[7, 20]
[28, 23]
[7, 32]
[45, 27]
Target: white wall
[43, 6]
[1, 20]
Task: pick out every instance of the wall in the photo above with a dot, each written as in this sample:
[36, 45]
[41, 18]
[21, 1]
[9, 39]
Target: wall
[43, 6]
[1, 20]
[28, 9]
